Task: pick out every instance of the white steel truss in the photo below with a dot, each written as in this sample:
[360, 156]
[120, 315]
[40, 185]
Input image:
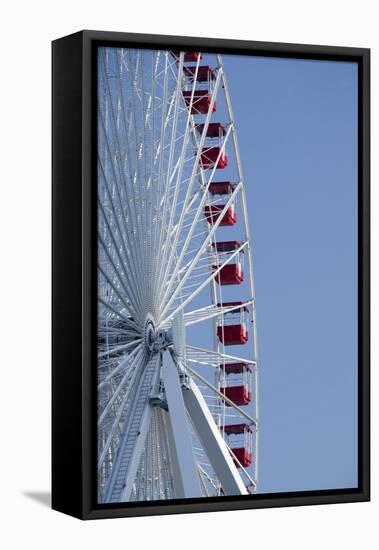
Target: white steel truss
[166, 415]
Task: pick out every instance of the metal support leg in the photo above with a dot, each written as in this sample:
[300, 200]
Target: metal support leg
[212, 441]
[187, 483]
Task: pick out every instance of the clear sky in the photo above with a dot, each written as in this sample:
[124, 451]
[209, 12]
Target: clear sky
[297, 129]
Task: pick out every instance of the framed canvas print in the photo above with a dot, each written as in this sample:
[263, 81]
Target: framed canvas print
[209, 197]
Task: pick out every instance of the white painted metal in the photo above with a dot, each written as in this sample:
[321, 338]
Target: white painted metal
[211, 357]
[177, 477]
[213, 443]
[160, 435]
[188, 482]
[179, 337]
[224, 398]
[250, 260]
[122, 479]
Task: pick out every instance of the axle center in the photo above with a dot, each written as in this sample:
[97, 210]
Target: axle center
[149, 333]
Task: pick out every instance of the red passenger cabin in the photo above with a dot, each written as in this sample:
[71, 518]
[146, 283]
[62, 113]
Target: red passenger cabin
[212, 156]
[201, 101]
[213, 211]
[232, 327]
[188, 56]
[214, 130]
[221, 188]
[232, 272]
[239, 439]
[204, 73]
[236, 382]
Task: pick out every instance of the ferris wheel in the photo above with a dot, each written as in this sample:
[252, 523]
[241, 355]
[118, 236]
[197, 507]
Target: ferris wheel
[177, 348]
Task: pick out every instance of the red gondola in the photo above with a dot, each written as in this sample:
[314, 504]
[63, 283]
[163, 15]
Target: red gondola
[231, 273]
[212, 213]
[233, 335]
[221, 188]
[189, 56]
[239, 438]
[204, 73]
[214, 130]
[209, 156]
[236, 383]
[232, 330]
[201, 101]
[226, 246]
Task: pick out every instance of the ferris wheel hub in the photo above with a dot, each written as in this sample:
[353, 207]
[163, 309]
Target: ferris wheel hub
[155, 339]
[149, 332]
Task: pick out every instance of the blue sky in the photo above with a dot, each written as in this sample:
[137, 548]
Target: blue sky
[297, 129]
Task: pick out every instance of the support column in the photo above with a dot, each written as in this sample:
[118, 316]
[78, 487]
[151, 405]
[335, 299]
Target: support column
[187, 483]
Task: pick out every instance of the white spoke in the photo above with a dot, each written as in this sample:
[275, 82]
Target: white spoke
[200, 315]
[193, 175]
[199, 253]
[120, 348]
[126, 378]
[125, 363]
[213, 358]
[200, 287]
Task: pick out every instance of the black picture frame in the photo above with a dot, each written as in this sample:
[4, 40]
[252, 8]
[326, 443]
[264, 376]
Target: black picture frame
[74, 274]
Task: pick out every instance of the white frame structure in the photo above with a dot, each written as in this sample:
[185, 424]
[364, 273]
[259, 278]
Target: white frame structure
[161, 411]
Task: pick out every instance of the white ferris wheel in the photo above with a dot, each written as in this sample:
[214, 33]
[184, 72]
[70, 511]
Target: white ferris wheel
[177, 349]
